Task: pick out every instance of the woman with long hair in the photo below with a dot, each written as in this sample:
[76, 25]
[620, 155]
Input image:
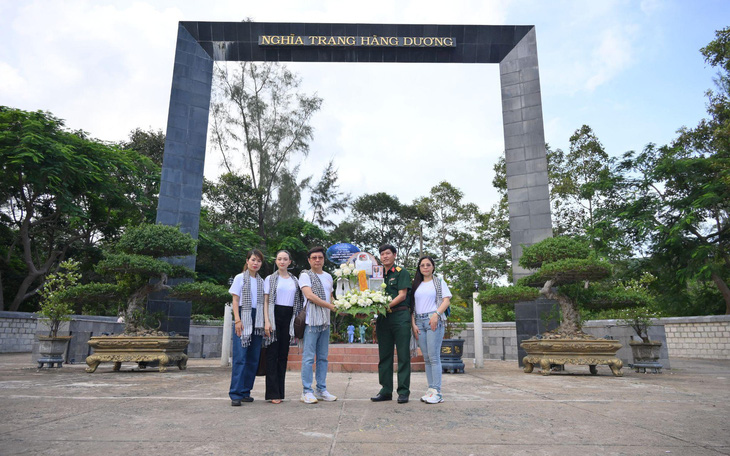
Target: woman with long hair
[431, 297]
[248, 302]
[282, 301]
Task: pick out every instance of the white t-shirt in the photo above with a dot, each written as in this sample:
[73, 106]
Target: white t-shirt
[237, 286]
[327, 284]
[286, 290]
[425, 296]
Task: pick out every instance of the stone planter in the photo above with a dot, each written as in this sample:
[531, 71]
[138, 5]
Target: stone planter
[451, 352]
[591, 352]
[138, 349]
[51, 350]
[646, 356]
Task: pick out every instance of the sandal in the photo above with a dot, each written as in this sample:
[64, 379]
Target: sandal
[276, 401]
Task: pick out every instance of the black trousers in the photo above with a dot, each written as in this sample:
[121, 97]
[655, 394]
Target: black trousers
[277, 353]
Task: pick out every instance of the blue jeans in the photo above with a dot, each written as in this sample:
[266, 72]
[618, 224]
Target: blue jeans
[430, 343]
[245, 364]
[316, 343]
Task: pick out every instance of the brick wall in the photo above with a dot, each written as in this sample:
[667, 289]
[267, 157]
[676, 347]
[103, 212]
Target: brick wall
[17, 332]
[698, 337]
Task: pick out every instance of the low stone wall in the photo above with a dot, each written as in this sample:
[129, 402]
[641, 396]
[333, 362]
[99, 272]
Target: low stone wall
[698, 337]
[685, 337]
[205, 341]
[500, 339]
[17, 332]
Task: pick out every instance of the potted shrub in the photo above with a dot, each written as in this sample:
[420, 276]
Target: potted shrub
[645, 352]
[566, 270]
[56, 309]
[141, 263]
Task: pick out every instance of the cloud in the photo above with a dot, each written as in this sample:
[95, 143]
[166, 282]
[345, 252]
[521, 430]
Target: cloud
[12, 82]
[99, 66]
[612, 55]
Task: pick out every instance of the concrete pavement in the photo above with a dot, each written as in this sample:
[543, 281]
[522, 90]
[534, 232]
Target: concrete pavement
[496, 410]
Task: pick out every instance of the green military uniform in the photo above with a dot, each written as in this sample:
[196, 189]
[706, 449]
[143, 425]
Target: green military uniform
[395, 329]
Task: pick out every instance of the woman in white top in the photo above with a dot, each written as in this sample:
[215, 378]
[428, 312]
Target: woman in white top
[282, 301]
[431, 298]
[247, 291]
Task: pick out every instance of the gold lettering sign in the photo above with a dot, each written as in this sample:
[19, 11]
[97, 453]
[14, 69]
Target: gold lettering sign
[358, 41]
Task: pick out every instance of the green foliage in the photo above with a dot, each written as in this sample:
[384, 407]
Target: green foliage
[201, 293]
[53, 305]
[553, 249]
[62, 192]
[136, 273]
[98, 298]
[124, 263]
[260, 125]
[326, 200]
[639, 319]
[571, 270]
[516, 293]
[496, 312]
[156, 240]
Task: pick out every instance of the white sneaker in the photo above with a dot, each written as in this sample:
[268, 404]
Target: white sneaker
[428, 394]
[308, 398]
[435, 398]
[325, 396]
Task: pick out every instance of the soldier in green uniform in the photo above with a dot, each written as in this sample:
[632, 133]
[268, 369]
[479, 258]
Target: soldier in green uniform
[394, 329]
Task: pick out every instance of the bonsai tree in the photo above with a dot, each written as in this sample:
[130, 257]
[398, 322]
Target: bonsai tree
[54, 305]
[140, 263]
[564, 267]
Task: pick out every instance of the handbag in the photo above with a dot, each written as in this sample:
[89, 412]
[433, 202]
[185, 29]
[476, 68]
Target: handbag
[300, 323]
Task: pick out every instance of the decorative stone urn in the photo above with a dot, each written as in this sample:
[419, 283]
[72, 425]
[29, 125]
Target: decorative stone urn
[451, 352]
[591, 352]
[646, 356]
[51, 350]
[138, 349]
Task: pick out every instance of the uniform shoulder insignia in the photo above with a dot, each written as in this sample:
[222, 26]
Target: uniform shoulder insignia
[398, 268]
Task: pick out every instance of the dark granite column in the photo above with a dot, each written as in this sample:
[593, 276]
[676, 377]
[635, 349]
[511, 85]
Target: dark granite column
[182, 167]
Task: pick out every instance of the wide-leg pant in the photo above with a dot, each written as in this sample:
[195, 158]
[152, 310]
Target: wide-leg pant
[245, 364]
[277, 354]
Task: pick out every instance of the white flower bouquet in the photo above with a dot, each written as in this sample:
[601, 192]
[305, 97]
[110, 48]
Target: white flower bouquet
[366, 302]
[346, 271]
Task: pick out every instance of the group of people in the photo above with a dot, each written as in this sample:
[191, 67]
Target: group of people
[264, 312]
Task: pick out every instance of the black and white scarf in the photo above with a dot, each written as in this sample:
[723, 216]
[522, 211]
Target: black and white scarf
[439, 294]
[318, 316]
[298, 303]
[245, 308]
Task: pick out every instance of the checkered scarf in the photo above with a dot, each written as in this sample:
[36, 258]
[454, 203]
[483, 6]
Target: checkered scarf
[298, 303]
[439, 294]
[245, 308]
[318, 316]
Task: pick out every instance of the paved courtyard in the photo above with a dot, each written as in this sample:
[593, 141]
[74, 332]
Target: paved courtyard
[496, 410]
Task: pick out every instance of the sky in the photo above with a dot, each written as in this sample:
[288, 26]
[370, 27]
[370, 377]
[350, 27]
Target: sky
[631, 70]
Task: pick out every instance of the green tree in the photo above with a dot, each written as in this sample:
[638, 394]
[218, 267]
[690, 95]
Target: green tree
[326, 199]
[140, 263]
[260, 119]
[675, 199]
[150, 143]
[231, 202]
[61, 191]
[381, 218]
